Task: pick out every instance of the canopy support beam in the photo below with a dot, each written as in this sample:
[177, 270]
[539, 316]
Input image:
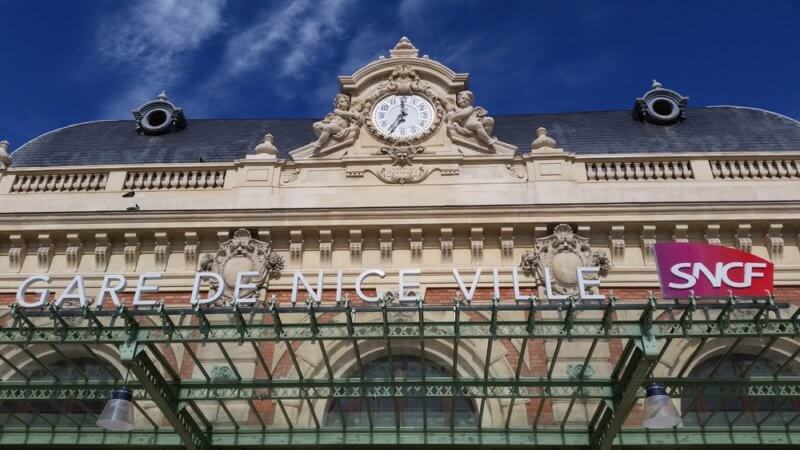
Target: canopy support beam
[644, 356]
[151, 380]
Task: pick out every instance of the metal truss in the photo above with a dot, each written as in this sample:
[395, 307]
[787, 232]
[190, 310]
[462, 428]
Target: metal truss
[32, 411]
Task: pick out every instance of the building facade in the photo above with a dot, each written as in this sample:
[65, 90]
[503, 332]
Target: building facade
[410, 273]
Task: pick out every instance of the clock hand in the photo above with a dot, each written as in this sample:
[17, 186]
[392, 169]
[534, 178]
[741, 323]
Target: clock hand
[400, 119]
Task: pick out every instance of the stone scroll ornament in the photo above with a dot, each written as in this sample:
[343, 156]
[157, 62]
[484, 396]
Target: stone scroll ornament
[337, 126]
[402, 169]
[242, 253]
[563, 252]
[471, 121]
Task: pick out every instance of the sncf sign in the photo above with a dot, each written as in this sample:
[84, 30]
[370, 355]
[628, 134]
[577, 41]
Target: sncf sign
[711, 271]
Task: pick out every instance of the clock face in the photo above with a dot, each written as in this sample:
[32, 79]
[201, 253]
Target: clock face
[402, 117]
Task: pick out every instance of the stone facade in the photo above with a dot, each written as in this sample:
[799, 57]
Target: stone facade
[456, 197]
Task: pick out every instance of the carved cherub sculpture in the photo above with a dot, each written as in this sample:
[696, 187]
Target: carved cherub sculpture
[338, 124]
[471, 120]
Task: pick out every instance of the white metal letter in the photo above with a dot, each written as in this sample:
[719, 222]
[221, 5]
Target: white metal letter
[24, 287]
[548, 284]
[298, 277]
[141, 288]
[474, 285]
[195, 297]
[79, 295]
[583, 283]
[112, 291]
[402, 286]
[360, 280]
[242, 286]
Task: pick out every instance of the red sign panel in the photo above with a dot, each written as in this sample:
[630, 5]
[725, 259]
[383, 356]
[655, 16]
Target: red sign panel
[711, 271]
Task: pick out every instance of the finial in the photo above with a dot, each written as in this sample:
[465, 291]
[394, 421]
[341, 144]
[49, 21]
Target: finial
[267, 147]
[404, 44]
[162, 95]
[404, 48]
[656, 84]
[5, 158]
[542, 140]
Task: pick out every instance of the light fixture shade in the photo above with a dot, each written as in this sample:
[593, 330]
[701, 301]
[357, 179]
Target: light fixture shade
[659, 411]
[118, 412]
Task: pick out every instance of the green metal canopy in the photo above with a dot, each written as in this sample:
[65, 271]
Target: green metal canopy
[190, 405]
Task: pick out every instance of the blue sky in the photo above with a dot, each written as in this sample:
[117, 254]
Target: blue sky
[66, 62]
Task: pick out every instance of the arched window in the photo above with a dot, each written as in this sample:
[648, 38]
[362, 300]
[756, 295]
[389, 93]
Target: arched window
[752, 408]
[407, 411]
[68, 412]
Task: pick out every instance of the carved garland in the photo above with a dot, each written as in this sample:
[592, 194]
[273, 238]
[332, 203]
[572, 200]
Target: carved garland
[403, 81]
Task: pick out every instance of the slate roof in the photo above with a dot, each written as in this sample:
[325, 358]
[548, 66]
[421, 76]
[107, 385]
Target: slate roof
[712, 129]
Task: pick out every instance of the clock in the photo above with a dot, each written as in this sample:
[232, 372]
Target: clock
[403, 117]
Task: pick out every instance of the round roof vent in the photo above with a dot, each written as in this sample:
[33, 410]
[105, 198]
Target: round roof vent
[660, 106]
[159, 116]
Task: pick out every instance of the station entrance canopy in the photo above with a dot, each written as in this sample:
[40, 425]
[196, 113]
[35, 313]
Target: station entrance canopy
[192, 405]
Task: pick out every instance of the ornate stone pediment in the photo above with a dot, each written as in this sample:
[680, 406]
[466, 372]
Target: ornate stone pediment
[242, 253]
[562, 253]
[448, 121]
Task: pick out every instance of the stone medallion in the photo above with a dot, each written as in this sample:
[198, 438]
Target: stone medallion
[242, 253]
[563, 252]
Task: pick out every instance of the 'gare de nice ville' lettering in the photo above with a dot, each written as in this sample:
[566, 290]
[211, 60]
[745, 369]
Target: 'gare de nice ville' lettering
[407, 287]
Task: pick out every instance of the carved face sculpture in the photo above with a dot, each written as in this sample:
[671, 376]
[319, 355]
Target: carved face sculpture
[465, 98]
[342, 102]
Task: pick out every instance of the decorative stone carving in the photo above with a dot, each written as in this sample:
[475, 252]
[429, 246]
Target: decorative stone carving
[542, 140]
[296, 246]
[415, 243]
[775, 241]
[338, 126]
[617, 243]
[404, 49]
[386, 244]
[356, 241]
[648, 243]
[507, 243]
[102, 251]
[191, 242]
[404, 80]
[744, 241]
[402, 170]
[681, 233]
[712, 234]
[476, 243]
[325, 246]
[517, 171]
[17, 252]
[131, 251]
[469, 121]
[44, 254]
[242, 253]
[575, 371]
[446, 243]
[5, 158]
[562, 253]
[161, 250]
[290, 176]
[74, 251]
[267, 147]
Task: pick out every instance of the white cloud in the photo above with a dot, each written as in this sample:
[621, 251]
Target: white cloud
[153, 39]
[287, 40]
